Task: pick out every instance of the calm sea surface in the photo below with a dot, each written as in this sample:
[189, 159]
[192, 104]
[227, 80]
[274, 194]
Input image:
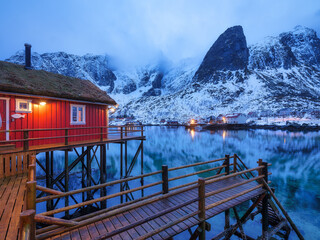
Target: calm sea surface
[295, 158]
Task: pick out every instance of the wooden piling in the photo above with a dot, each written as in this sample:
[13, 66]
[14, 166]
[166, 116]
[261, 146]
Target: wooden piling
[227, 212]
[27, 225]
[31, 195]
[202, 207]
[165, 179]
[265, 217]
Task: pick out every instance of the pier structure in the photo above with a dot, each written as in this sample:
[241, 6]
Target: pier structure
[19, 164]
[179, 205]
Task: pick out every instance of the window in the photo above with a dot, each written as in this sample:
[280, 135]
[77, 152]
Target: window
[78, 114]
[23, 106]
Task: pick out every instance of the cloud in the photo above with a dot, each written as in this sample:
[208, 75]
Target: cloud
[137, 31]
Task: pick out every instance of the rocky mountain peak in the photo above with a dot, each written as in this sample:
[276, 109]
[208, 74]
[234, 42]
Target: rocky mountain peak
[229, 52]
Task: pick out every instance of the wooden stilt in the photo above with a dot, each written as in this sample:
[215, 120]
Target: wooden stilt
[89, 172]
[66, 181]
[121, 169]
[103, 173]
[141, 167]
[82, 175]
[227, 212]
[49, 206]
[264, 212]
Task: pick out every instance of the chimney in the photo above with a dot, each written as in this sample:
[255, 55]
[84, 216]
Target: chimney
[27, 56]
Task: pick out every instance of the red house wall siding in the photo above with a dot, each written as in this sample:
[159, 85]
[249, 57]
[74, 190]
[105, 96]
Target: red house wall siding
[54, 115]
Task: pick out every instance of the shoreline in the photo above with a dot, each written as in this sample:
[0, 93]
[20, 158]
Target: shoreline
[292, 128]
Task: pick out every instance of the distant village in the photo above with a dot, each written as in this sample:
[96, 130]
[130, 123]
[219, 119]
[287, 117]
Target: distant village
[265, 117]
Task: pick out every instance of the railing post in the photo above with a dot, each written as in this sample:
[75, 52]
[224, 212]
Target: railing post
[31, 172]
[141, 130]
[31, 195]
[165, 179]
[66, 133]
[202, 207]
[235, 163]
[227, 161]
[26, 140]
[265, 216]
[28, 226]
[227, 212]
[101, 134]
[121, 132]
[126, 131]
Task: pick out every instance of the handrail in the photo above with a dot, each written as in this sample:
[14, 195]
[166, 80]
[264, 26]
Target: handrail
[96, 187]
[233, 197]
[116, 211]
[88, 202]
[195, 173]
[70, 128]
[196, 164]
[234, 174]
[234, 186]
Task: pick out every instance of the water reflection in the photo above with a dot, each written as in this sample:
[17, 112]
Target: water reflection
[294, 156]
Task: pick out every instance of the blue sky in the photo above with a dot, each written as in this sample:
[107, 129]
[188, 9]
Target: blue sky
[136, 31]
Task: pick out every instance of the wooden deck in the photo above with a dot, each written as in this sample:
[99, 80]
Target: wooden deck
[74, 144]
[115, 226]
[12, 199]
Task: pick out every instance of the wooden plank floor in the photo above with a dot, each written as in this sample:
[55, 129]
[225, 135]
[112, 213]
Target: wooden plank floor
[108, 225]
[12, 197]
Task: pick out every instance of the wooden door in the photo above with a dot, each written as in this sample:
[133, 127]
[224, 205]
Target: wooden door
[3, 115]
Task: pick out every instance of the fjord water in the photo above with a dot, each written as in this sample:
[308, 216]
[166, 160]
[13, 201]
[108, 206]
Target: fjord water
[295, 158]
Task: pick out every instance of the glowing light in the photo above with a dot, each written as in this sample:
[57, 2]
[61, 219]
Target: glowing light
[224, 119]
[192, 132]
[43, 103]
[224, 134]
[192, 121]
[112, 110]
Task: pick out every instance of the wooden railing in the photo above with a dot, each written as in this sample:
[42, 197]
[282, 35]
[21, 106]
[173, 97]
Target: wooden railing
[228, 169]
[63, 135]
[15, 163]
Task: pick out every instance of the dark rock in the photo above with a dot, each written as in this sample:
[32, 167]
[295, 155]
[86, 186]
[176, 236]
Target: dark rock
[144, 80]
[152, 92]
[157, 81]
[229, 52]
[129, 88]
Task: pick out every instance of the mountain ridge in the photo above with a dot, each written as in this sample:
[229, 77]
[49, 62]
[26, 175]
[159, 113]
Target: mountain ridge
[278, 72]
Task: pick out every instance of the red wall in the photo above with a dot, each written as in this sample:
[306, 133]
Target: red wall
[55, 114]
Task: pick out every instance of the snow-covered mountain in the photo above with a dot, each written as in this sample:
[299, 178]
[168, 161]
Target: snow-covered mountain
[279, 72]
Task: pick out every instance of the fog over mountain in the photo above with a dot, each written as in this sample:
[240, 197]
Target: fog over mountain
[280, 71]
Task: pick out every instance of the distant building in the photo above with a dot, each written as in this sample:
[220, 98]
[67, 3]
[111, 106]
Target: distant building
[235, 118]
[220, 119]
[252, 115]
[315, 113]
[266, 113]
[285, 112]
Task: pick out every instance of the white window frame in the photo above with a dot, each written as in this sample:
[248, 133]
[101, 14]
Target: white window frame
[77, 122]
[29, 105]
[7, 117]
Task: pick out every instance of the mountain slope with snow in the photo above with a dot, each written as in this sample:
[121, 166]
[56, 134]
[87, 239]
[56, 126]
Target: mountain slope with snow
[279, 72]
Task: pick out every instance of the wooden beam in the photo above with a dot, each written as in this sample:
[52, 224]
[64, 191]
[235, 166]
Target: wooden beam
[48, 190]
[54, 221]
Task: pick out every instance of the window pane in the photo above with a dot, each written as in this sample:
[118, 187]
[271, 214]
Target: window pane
[74, 114]
[23, 105]
[80, 114]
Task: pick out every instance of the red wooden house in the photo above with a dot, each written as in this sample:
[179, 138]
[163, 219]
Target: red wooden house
[47, 108]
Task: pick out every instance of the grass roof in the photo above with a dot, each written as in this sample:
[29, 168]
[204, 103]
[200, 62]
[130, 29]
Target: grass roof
[14, 78]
